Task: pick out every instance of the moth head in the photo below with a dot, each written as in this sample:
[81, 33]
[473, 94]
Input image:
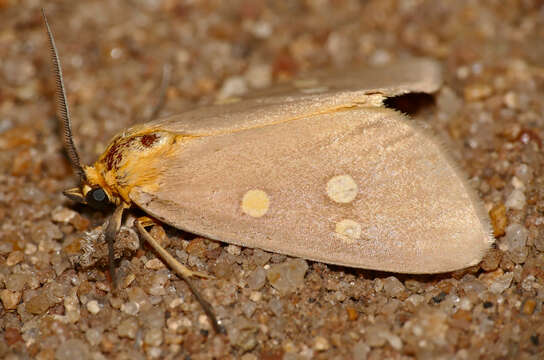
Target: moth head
[94, 196]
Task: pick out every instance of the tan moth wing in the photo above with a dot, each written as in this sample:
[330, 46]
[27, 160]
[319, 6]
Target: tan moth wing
[338, 179]
[312, 94]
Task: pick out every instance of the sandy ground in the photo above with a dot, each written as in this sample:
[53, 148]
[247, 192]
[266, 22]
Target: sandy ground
[490, 112]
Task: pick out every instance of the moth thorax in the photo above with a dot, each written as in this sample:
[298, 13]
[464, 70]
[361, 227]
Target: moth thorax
[135, 147]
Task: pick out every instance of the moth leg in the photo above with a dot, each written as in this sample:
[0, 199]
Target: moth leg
[111, 232]
[181, 271]
[146, 221]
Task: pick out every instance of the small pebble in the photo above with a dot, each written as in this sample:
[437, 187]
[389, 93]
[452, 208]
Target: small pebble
[154, 264]
[529, 283]
[517, 183]
[392, 286]
[256, 279]
[14, 258]
[174, 323]
[393, 340]
[498, 219]
[232, 86]
[72, 307]
[38, 305]
[12, 336]
[243, 334]
[10, 299]
[321, 344]
[415, 299]
[360, 351]
[259, 75]
[260, 257]
[30, 249]
[196, 247]
[128, 328]
[93, 336]
[153, 337]
[130, 308]
[511, 100]
[352, 313]
[249, 356]
[234, 250]
[154, 352]
[514, 242]
[374, 335]
[158, 284]
[127, 280]
[340, 296]
[45, 230]
[80, 223]
[465, 304]
[378, 285]
[276, 306]
[476, 92]
[497, 281]
[491, 259]
[175, 303]
[248, 308]
[524, 173]
[63, 215]
[116, 302]
[73, 349]
[528, 306]
[204, 322]
[380, 57]
[288, 276]
[516, 200]
[101, 285]
[255, 296]
[93, 307]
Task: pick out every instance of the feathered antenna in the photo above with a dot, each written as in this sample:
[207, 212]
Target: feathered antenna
[63, 112]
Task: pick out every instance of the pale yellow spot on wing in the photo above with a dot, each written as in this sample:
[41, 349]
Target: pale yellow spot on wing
[342, 189]
[255, 203]
[348, 230]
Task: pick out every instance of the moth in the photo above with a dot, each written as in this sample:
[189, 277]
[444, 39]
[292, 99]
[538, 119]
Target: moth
[318, 168]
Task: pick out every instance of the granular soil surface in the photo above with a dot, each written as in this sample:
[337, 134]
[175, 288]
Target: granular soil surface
[56, 296]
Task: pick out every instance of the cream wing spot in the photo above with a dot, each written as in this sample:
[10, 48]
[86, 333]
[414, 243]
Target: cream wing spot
[342, 189]
[348, 230]
[255, 203]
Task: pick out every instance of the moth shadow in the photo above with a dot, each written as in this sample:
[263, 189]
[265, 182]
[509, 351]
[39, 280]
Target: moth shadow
[377, 274]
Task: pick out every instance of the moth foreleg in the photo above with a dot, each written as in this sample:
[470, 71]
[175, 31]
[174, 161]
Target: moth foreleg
[111, 233]
[181, 270]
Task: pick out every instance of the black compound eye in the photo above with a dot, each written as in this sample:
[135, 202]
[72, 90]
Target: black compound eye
[97, 198]
[99, 195]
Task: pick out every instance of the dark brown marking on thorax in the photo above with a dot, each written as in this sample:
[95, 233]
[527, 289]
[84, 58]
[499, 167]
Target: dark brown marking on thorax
[122, 145]
[115, 153]
[149, 139]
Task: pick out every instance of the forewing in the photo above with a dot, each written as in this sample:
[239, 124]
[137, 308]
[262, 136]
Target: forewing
[317, 93]
[362, 187]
